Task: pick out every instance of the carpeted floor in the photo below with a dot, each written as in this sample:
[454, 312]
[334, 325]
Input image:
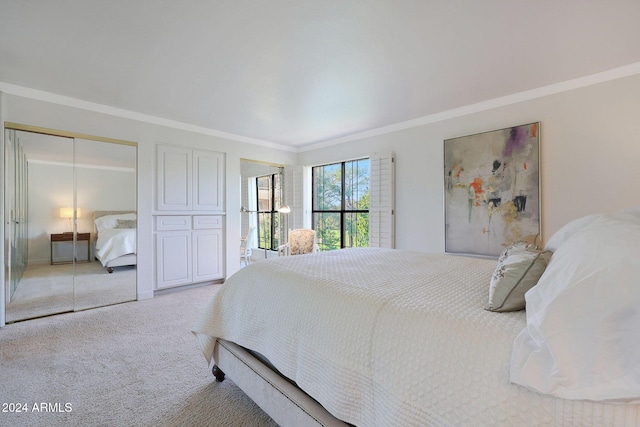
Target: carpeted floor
[131, 364]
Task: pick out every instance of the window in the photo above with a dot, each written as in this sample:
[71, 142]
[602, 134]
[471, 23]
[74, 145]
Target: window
[340, 204]
[268, 195]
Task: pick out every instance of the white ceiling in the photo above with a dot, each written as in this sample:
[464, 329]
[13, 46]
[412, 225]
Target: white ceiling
[301, 72]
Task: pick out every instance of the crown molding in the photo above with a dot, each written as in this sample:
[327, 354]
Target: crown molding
[613, 74]
[81, 165]
[67, 101]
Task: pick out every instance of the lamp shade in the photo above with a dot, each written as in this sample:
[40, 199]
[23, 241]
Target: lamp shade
[285, 209]
[68, 213]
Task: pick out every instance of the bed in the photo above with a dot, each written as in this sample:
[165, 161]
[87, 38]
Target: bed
[380, 337]
[115, 243]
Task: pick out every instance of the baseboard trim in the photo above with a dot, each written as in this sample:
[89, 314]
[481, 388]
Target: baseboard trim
[185, 287]
[144, 295]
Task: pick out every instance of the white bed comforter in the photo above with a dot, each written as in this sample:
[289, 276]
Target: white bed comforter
[385, 337]
[115, 242]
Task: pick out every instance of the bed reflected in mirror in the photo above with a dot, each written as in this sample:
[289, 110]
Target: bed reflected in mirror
[67, 183]
[106, 186]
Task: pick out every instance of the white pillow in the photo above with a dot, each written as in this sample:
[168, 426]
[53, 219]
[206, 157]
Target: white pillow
[633, 210]
[568, 230]
[111, 221]
[628, 214]
[582, 339]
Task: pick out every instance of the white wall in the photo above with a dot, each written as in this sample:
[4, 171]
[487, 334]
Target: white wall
[44, 114]
[46, 196]
[590, 156]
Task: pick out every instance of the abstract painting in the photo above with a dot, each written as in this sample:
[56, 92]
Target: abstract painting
[492, 190]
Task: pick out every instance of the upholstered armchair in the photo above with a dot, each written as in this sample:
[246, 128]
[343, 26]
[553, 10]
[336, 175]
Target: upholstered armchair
[301, 241]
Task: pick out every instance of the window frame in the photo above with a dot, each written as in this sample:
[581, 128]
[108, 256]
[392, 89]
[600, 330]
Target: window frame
[274, 197]
[342, 211]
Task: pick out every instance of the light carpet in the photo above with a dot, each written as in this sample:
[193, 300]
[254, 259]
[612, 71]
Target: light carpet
[131, 364]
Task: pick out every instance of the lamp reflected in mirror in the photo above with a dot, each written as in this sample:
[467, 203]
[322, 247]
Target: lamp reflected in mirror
[68, 213]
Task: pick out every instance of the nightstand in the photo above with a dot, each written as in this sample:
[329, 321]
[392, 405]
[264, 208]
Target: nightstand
[60, 240]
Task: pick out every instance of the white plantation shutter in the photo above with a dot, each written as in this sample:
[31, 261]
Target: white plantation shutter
[294, 194]
[382, 200]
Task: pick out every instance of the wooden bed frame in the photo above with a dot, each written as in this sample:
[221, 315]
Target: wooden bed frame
[278, 396]
[129, 259]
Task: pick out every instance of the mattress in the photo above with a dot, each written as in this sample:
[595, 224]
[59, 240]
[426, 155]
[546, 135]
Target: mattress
[386, 337]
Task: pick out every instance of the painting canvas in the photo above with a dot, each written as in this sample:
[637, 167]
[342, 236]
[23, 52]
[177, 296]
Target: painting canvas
[492, 190]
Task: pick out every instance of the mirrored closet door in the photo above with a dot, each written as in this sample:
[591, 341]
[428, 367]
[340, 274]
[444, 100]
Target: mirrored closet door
[70, 223]
[262, 221]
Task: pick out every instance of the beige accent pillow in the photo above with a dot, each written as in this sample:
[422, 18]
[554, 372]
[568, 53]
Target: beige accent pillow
[126, 223]
[518, 270]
